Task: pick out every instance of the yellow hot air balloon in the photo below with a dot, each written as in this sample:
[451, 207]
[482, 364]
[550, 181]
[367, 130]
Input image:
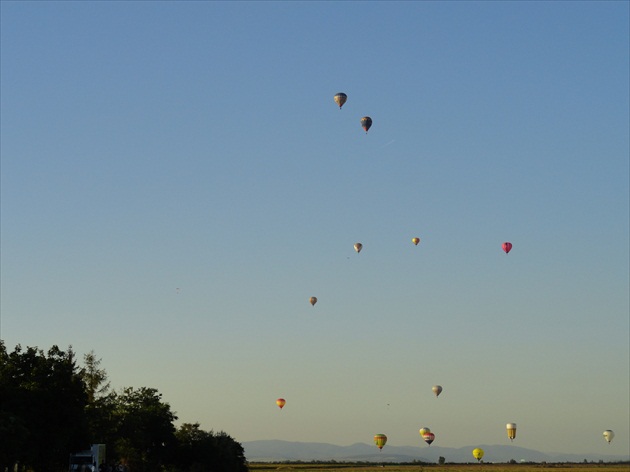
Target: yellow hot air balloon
[609, 435]
[511, 430]
[437, 389]
[313, 300]
[358, 247]
[415, 240]
[340, 99]
[281, 402]
[424, 431]
[380, 440]
[478, 453]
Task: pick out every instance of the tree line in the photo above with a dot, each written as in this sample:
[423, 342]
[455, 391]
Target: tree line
[51, 407]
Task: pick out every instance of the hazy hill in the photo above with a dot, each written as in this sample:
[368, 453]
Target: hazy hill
[276, 450]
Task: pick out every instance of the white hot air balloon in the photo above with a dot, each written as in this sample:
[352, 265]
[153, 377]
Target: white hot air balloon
[609, 435]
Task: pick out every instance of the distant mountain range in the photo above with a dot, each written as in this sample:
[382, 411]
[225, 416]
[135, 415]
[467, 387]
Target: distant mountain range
[279, 451]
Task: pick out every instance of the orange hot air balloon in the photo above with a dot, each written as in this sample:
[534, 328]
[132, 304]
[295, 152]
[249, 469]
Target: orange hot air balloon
[313, 300]
[366, 123]
[340, 99]
[281, 402]
[415, 240]
[428, 438]
[380, 440]
[507, 247]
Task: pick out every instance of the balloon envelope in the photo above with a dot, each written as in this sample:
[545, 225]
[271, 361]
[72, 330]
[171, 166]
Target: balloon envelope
[511, 430]
[281, 402]
[358, 247]
[477, 453]
[424, 431]
[340, 99]
[415, 240]
[609, 435]
[428, 438]
[366, 123]
[380, 440]
[437, 389]
[313, 300]
[507, 247]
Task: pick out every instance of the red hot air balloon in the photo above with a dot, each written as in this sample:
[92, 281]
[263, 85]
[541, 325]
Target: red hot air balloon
[507, 247]
[366, 123]
[281, 402]
[428, 438]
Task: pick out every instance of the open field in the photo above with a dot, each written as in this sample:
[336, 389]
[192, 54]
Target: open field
[334, 467]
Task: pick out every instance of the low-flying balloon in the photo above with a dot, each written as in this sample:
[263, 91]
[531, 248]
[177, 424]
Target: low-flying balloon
[358, 247]
[415, 240]
[340, 99]
[428, 438]
[507, 247]
[380, 440]
[313, 300]
[424, 431]
[608, 435]
[437, 389]
[366, 123]
[478, 453]
[511, 430]
[281, 402]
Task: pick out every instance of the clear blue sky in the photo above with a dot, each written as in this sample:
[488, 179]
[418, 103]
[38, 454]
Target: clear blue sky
[154, 146]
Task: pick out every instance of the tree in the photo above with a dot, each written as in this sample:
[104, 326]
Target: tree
[101, 401]
[94, 377]
[144, 428]
[43, 407]
[199, 450]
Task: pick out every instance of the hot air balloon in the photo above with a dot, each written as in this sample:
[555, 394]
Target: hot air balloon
[609, 435]
[511, 430]
[437, 389]
[340, 99]
[415, 240]
[424, 431]
[507, 247]
[366, 123]
[281, 402]
[478, 453]
[428, 438]
[313, 300]
[358, 247]
[380, 440]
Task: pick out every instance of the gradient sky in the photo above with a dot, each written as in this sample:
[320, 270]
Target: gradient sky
[177, 181]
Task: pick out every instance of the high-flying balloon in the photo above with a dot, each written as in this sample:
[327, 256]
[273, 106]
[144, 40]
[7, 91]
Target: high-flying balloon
[281, 402]
[511, 430]
[478, 453]
[358, 247]
[437, 389]
[507, 247]
[366, 123]
[313, 300]
[380, 440]
[340, 99]
[428, 438]
[415, 240]
[424, 431]
[609, 435]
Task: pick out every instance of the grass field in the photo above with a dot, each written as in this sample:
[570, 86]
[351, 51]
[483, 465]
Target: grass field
[333, 467]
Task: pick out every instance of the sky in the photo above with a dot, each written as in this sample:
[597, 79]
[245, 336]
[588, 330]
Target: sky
[177, 182]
